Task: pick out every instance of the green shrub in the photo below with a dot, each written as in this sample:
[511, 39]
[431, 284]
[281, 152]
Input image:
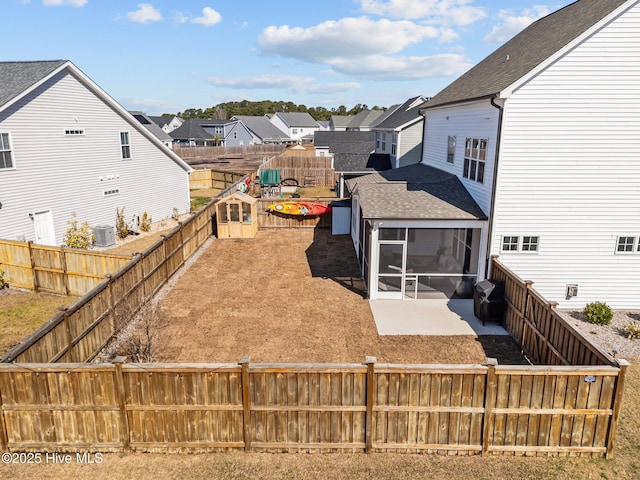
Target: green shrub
[122, 227]
[598, 312]
[78, 236]
[632, 331]
[145, 222]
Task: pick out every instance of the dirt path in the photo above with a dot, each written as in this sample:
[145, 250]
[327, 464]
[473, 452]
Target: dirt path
[292, 296]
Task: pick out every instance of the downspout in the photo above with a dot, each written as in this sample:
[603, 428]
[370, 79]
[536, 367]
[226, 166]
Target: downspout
[494, 184]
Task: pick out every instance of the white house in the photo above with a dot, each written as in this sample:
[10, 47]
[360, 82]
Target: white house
[295, 124]
[399, 135]
[543, 135]
[66, 146]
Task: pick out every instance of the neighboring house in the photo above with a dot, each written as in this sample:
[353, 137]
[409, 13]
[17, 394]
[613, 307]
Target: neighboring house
[399, 135]
[339, 123]
[297, 125]
[263, 130]
[324, 125]
[543, 135]
[197, 132]
[352, 154]
[167, 123]
[364, 121]
[67, 147]
[150, 125]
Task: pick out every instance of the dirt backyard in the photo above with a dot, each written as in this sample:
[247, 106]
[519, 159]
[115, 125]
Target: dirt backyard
[292, 296]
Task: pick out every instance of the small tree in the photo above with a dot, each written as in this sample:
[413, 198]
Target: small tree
[138, 343]
[122, 227]
[145, 222]
[78, 236]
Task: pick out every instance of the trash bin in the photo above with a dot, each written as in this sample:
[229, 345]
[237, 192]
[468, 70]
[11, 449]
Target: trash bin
[488, 301]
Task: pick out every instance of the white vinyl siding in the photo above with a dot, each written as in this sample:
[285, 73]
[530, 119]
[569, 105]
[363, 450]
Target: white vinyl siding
[473, 120]
[410, 145]
[569, 169]
[83, 170]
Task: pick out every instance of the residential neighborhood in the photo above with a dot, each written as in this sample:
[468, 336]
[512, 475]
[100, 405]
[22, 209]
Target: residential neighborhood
[453, 274]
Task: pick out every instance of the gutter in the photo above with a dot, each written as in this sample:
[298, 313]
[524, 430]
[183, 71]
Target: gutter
[494, 183]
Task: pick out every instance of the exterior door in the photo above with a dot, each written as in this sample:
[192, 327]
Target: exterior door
[44, 228]
[391, 268]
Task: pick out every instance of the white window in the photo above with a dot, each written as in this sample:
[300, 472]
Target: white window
[235, 134]
[451, 148]
[377, 140]
[125, 145]
[394, 143]
[626, 244]
[384, 142]
[6, 155]
[530, 244]
[74, 131]
[218, 130]
[475, 153]
[510, 243]
[294, 131]
[110, 192]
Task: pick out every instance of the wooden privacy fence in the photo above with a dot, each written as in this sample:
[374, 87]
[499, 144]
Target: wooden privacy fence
[61, 270]
[208, 178]
[543, 334]
[268, 219]
[80, 332]
[451, 409]
[188, 153]
[306, 170]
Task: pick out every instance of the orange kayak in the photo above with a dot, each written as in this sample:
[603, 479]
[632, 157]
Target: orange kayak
[299, 208]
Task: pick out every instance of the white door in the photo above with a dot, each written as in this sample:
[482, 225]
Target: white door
[45, 231]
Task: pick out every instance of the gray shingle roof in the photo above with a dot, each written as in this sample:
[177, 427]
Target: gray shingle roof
[191, 129]
[16, 77]
[298, 119]
[525, 51]
[401, 116]
[150, 125]
[365, 118]
[415, 192]
[262, 128]
[360, 162]
[341, 121]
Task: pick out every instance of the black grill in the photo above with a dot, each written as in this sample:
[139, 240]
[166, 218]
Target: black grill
[488, 301]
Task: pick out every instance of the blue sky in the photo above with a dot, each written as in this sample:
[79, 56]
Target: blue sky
[164, 56]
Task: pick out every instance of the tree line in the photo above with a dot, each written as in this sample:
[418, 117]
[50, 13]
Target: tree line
[224, 111]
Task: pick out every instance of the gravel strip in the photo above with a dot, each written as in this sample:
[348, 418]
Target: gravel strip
[610, 338]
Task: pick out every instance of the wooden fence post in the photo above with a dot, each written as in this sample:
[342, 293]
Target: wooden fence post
[489, 400]
[122, 400]
[617, 400]
[65, 271]
[246, 407]
[369, 421]
[4, 437]
[526, 310]
[67, 331]
[164, 259]
[33, 266]
[181, 242]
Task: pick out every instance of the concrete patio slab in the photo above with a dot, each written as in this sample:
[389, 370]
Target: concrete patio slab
[430, 317]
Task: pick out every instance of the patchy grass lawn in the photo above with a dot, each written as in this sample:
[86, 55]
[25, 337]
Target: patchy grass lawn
[267, 466]
[22, 313]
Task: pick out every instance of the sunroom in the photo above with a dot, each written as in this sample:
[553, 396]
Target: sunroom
[418, 234]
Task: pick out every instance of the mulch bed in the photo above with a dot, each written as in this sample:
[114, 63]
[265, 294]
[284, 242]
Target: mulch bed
[293, 295]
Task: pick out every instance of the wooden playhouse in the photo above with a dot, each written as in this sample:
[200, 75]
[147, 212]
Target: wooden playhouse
[237, 216]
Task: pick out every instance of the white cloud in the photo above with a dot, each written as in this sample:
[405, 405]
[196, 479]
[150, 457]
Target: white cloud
[209, 17]
[513, 23]
[456, 12]
[292, 83]
[63, 3]
[381, 67]
[145, 13]
[346, 38]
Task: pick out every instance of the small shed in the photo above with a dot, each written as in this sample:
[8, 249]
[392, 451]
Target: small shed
[237, 216]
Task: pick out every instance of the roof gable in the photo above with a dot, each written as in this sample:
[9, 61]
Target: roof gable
[18, 77]
[298, 119]
[262, 128]
[526, 51]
